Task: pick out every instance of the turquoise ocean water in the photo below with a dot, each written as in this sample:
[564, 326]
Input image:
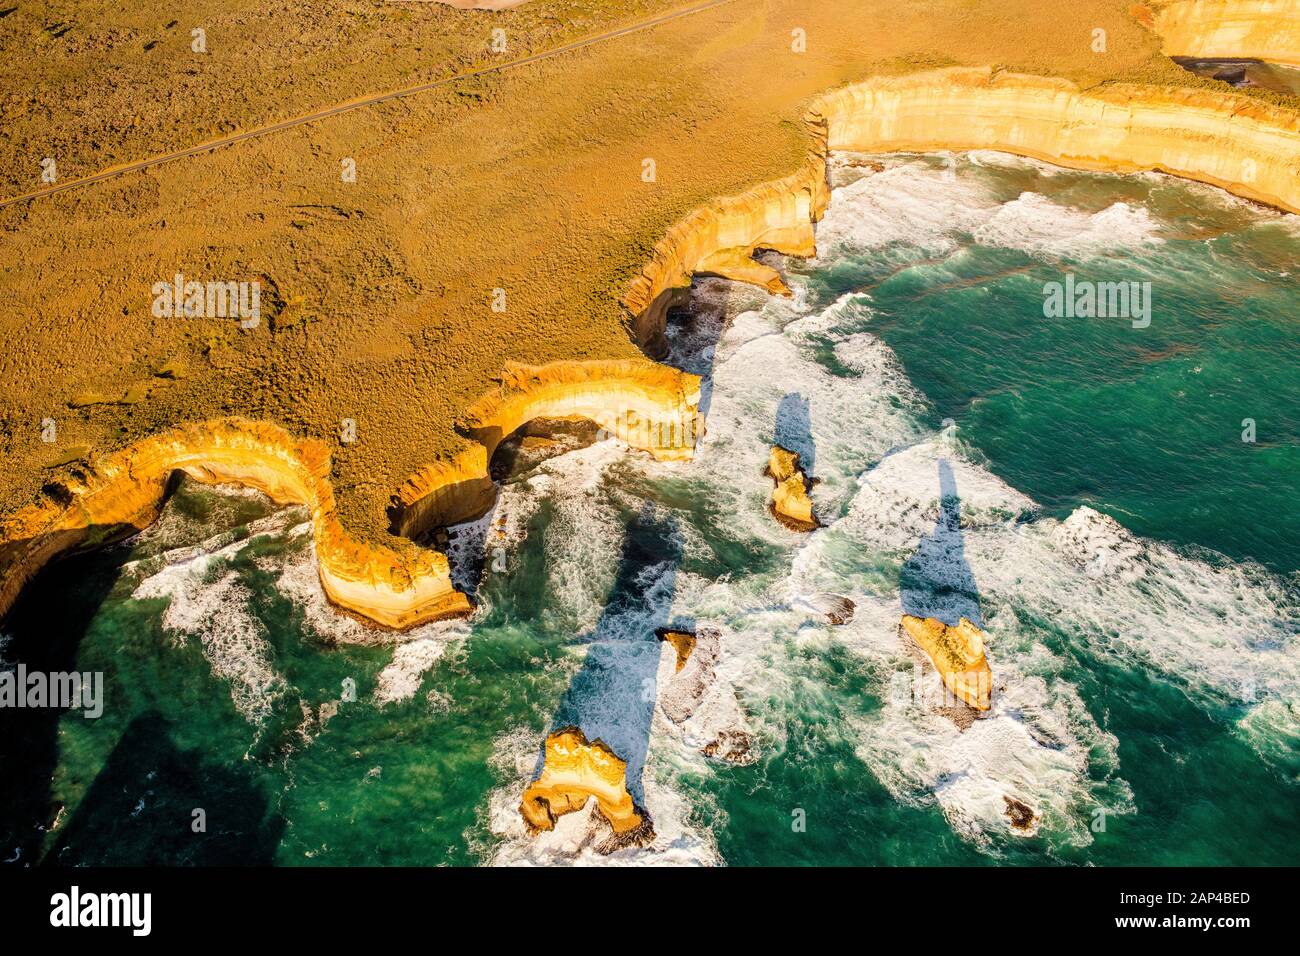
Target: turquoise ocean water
[1080, 487]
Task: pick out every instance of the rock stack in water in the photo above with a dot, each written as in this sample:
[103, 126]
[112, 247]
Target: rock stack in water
[790, 503]
[574, 770]
[958, 656]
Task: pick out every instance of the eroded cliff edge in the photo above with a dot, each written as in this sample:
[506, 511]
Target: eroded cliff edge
[649, 406]
[1237, 142]
[1228, 29]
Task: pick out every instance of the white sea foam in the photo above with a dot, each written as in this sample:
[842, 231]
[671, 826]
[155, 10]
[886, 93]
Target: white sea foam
[929, 210]
[401, 678]
[211, 604]
[1036, 225]
[1221, 631]
[961, 540]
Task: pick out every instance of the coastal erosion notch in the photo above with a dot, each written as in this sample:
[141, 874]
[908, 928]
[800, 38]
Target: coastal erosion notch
[398, 585]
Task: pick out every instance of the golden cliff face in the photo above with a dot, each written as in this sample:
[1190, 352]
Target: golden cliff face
[721, 238]
[648, 405]
[124, 492]
[790, 503]
[573, 771]
[958, 656]
[1224, 29]
[1236, 142]
[1225, 139]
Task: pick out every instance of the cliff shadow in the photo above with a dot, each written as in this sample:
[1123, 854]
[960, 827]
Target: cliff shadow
[44, 631]
[793, 430]
[937, 580]
[140, 810]
[473, 548]
[612, 697]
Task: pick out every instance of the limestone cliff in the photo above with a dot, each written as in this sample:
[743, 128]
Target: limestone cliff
[122, 493]
[1227, 139]
[575, 770]
[649, 406]
[790, 503]
[721, 238]
[1228, 29]
[958, 656]
[398, 586]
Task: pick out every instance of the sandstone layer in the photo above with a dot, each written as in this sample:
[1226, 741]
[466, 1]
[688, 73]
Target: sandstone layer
[1229, 29]
[957, 654]
[790, 503]
[398, 586]
[574, 770]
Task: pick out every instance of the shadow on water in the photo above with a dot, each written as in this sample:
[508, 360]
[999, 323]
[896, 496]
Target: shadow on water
[793, 430]
[612, 696]
[936, 581]
[45, 629]
[140, 811]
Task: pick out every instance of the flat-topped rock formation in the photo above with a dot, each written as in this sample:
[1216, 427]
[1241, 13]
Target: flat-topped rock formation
[790, 503]
[575, 770]
[957, 653]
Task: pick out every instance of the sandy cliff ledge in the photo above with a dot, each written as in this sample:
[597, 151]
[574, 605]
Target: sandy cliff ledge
[1229, 140]
[647, 405]
[1222, 29]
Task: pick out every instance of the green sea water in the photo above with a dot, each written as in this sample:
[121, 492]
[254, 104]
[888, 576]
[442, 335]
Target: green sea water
[1150, 697]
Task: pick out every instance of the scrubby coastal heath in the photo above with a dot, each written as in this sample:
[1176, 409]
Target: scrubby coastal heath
[437, 272]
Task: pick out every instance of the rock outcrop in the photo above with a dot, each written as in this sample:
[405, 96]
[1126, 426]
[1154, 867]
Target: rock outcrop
[683, 642]
[1266, 30]
[957, 654]
[701, 704]
[835, 608]
[646, 405]
[395, 585]
[1226, 139]
[790, 503]
[574, 770]
[123, 493]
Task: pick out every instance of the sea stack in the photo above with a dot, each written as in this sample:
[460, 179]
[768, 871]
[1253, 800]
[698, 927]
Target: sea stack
[683, 643]
[574, 770]
[790, 503]
[958, 655]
